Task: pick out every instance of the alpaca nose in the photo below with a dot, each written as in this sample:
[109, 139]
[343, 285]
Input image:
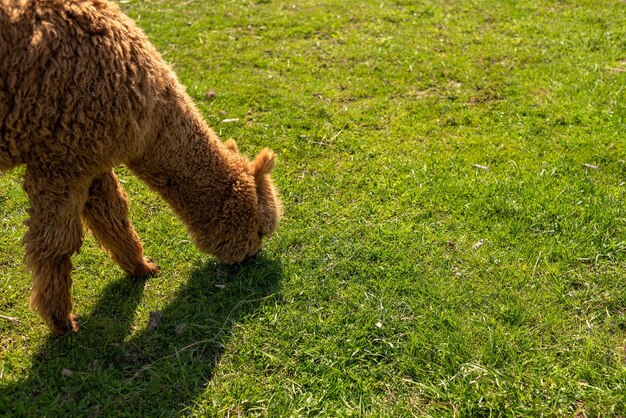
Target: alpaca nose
[255, 254]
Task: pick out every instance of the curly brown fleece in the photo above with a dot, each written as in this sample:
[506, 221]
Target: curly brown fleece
[82, 90]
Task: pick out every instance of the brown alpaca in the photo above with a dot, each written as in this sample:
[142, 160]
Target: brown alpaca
[82, 90]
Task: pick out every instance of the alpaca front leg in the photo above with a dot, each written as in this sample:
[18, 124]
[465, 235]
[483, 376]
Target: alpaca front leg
[54, 234]
[51, 293]
[106, 214]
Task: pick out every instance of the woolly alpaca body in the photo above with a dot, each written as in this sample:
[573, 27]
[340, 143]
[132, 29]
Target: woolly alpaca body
[81, 91]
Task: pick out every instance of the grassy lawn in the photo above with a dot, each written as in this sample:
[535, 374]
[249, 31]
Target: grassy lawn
[454, 240]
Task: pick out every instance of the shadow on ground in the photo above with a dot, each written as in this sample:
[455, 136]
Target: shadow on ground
[160, 370]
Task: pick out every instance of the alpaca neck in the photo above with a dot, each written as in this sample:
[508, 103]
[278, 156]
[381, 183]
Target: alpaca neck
[187, 165]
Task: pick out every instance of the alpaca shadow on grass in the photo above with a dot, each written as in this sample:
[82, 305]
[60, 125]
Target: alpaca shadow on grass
[109, 368]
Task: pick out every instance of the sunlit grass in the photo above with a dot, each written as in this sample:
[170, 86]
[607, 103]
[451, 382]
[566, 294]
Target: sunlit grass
[453, 242]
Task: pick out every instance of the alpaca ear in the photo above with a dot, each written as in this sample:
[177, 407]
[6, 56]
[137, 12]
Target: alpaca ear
[232, 146]
[262, 164]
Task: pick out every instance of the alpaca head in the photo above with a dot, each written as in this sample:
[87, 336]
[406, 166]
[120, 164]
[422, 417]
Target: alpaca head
[254, 211]
[268, 205]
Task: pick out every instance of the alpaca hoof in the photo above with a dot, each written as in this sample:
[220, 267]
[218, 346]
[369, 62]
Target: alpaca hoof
[147, 269]
[64, 326]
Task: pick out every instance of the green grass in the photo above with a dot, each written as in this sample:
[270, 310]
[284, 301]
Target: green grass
[374, 297]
